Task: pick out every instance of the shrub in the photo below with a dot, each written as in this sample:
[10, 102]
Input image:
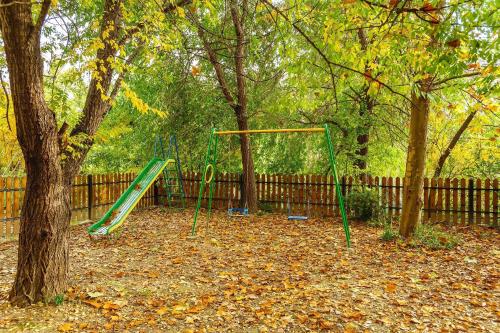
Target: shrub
[364, 205]
[433, 237]
[389, 233]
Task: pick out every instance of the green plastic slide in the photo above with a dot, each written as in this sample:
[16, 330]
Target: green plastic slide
[117, 214]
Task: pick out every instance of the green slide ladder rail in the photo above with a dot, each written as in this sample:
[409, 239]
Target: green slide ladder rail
[210, 163]
[117, 214]
[172, 174]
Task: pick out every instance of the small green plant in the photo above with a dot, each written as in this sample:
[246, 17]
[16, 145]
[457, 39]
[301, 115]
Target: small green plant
[364, 205]
[389, 233]
[59, 299]
[433, 237]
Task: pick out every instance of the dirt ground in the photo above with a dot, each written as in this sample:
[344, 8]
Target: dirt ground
[264, 274]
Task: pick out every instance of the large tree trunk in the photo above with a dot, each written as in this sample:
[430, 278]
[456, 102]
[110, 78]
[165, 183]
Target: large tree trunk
[363, 137]
[362, 151]
[42, 266]
[366, 108]
[249, 190]
[415, 165]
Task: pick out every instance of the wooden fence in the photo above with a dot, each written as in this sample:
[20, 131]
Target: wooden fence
[464, 201]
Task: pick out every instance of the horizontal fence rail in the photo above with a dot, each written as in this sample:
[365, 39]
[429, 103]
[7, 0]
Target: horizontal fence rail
[454, 201]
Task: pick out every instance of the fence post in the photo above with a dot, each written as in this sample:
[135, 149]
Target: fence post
[90, 197]
[471, 200]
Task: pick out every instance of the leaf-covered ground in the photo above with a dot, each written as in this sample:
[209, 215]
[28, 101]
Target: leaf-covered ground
[264, 274]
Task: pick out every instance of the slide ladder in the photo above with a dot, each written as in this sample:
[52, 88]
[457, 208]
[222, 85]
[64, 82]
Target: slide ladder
[172, 174]
[173, 177]
[117, 214]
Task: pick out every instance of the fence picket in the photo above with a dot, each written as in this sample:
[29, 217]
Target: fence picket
[324, 197]
[478, 217]
[463, 190]
[433, 200]
[383, 197]
[447, 199]
[398, 196]
[455, 201]
[8, 208]
[16, 212]
[279, 197]
[390, 196]
[3, 222]
[305, 183]
[495, 202]
[329, 201]
[269, 182]
[487, 208]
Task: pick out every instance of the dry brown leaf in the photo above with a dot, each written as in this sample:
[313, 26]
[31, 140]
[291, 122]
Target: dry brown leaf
[111, 306]
[350, 328]
[355, 315]
[161, 311]
[66, 327]
[390, 287]
[96, 304]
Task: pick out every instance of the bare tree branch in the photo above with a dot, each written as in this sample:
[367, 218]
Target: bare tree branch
[7, 106]
[435, 84]
[219, 72]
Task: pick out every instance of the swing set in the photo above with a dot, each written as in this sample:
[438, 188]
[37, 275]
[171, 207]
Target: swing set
[208, 176]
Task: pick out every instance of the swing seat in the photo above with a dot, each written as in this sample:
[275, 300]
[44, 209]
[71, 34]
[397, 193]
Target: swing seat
[298, 217]
[237, 211]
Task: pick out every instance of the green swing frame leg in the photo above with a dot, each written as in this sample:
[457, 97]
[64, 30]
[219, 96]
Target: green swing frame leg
[211, 150]
[338, 191]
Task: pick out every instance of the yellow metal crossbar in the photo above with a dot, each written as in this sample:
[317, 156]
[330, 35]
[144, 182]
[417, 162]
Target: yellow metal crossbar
[283, 130]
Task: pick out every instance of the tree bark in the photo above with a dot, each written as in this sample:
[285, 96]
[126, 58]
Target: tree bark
[363, 137]
[415, 165]
[43, 253]
[42, 266]
[413, 183]
[366, 108]
[249, 193]
[237, 100]
[446, 153]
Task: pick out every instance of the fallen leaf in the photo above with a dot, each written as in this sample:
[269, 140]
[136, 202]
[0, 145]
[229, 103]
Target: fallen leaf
[96, 304]
[66, 327]
[161, 311]
[350, 328]
[95, 294]
[390, 287]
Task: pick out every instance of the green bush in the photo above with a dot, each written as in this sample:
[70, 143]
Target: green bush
[433, 237]
[364, 205]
